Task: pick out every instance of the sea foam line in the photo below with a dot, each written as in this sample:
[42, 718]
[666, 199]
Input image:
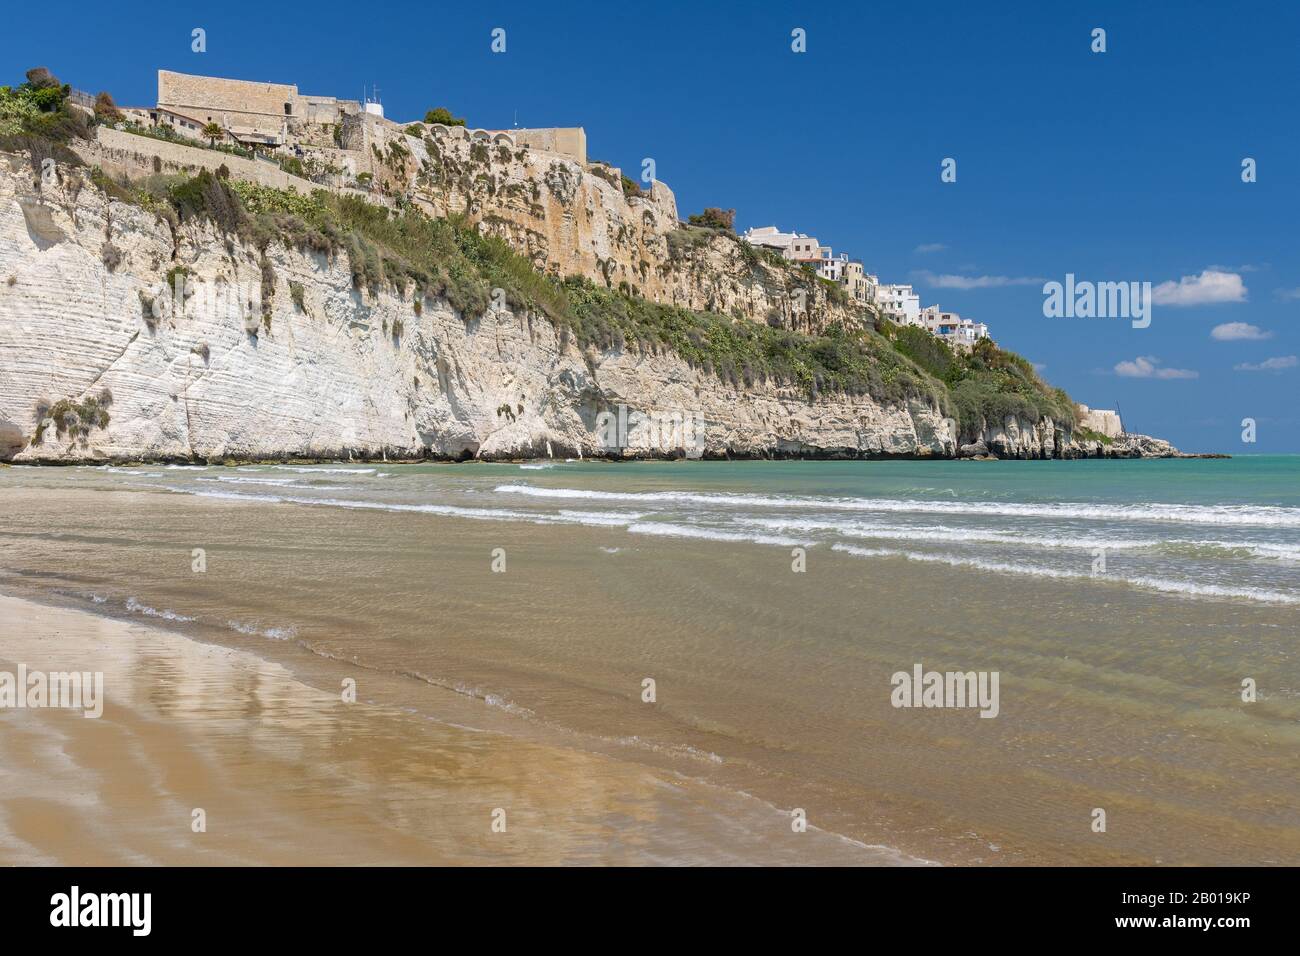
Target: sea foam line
[1038, 571]
[1270, 515]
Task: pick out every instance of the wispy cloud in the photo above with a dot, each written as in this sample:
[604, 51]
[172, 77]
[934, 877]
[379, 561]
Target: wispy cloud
[948, 281]
[1238, 332]
[1288, 293]
[1248, 267]
[1208, 288]
[1148, 366]
[1281, 363]
[925, 248]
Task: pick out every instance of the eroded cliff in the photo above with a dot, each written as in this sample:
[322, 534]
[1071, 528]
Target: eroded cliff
[100, 360]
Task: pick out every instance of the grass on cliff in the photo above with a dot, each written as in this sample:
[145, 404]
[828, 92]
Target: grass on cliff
[449, 258]
[986, 384]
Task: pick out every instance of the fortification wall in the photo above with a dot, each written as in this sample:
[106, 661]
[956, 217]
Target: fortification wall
[1102, 420]
[132, 155]
[567, 141]
[229, 102]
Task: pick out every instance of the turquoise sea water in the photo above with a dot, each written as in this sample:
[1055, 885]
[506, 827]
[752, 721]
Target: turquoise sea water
[1215, 528]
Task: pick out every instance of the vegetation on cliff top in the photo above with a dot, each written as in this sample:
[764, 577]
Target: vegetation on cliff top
[35, 118]
[986, 384]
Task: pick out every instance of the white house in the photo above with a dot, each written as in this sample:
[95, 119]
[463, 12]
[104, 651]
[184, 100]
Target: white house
[899, 303]
[951, 327]
[792, 245]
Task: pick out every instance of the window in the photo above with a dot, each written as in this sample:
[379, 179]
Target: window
[288, 109]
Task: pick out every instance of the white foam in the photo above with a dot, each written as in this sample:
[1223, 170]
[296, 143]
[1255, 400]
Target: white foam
[1267, 515]
[944, 533]
[666, 529]
[1038, 571]
[137, 608]
[317, 470]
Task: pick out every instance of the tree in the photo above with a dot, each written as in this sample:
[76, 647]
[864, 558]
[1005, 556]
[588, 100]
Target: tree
[443, 115]
[44, 91]
[39, 78]
[213, 132]
[715, 218]
[106, 110]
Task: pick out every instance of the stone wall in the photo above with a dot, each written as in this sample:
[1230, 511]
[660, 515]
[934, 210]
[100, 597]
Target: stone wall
[570, 141]
[260, 106]
[128, 154]
[1104, 421]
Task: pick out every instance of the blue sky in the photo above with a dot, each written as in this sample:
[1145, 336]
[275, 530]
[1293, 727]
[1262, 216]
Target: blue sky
[1115, 166]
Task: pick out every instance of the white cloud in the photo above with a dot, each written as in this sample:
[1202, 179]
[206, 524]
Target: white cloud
[1148, 366]
[926, 248]
[1210, 287]
[972, 282]
[1269, 365]
[1239, 331]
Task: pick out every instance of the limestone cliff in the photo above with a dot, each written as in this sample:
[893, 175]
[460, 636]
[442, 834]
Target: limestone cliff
[99, 360]
[570, 218]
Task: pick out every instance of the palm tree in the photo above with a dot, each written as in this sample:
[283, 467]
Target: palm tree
[213, 132]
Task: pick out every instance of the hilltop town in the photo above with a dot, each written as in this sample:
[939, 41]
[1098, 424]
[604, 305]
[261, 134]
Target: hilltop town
[350, 144]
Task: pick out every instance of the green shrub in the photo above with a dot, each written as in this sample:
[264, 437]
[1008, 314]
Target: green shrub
[443, 115]
[715, 218]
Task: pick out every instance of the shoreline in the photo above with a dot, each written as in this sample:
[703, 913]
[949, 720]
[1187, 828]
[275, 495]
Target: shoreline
[372, 459]
[235, 734]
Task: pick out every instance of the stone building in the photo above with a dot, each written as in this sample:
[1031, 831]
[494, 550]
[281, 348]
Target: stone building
[252, 113]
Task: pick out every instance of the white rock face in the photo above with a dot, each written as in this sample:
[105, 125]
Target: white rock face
[345, 374]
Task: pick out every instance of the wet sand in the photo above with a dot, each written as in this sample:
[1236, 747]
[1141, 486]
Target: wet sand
[288, 773]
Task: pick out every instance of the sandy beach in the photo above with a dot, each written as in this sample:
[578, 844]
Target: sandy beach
[287, 773]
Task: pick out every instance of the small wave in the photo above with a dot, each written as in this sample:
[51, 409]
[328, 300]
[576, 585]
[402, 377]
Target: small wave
[1038, 571]
[135, 607]
[666, 529]
[136, 472]
[945, 533]
[1233, 549]
[1265, 515]
[256, 630]
[239, 480]
[316, 470]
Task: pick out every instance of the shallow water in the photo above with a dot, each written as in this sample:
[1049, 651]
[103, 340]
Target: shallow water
[1121, 603]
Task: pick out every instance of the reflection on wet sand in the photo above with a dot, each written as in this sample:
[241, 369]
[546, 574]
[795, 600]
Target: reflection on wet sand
[290, 774]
